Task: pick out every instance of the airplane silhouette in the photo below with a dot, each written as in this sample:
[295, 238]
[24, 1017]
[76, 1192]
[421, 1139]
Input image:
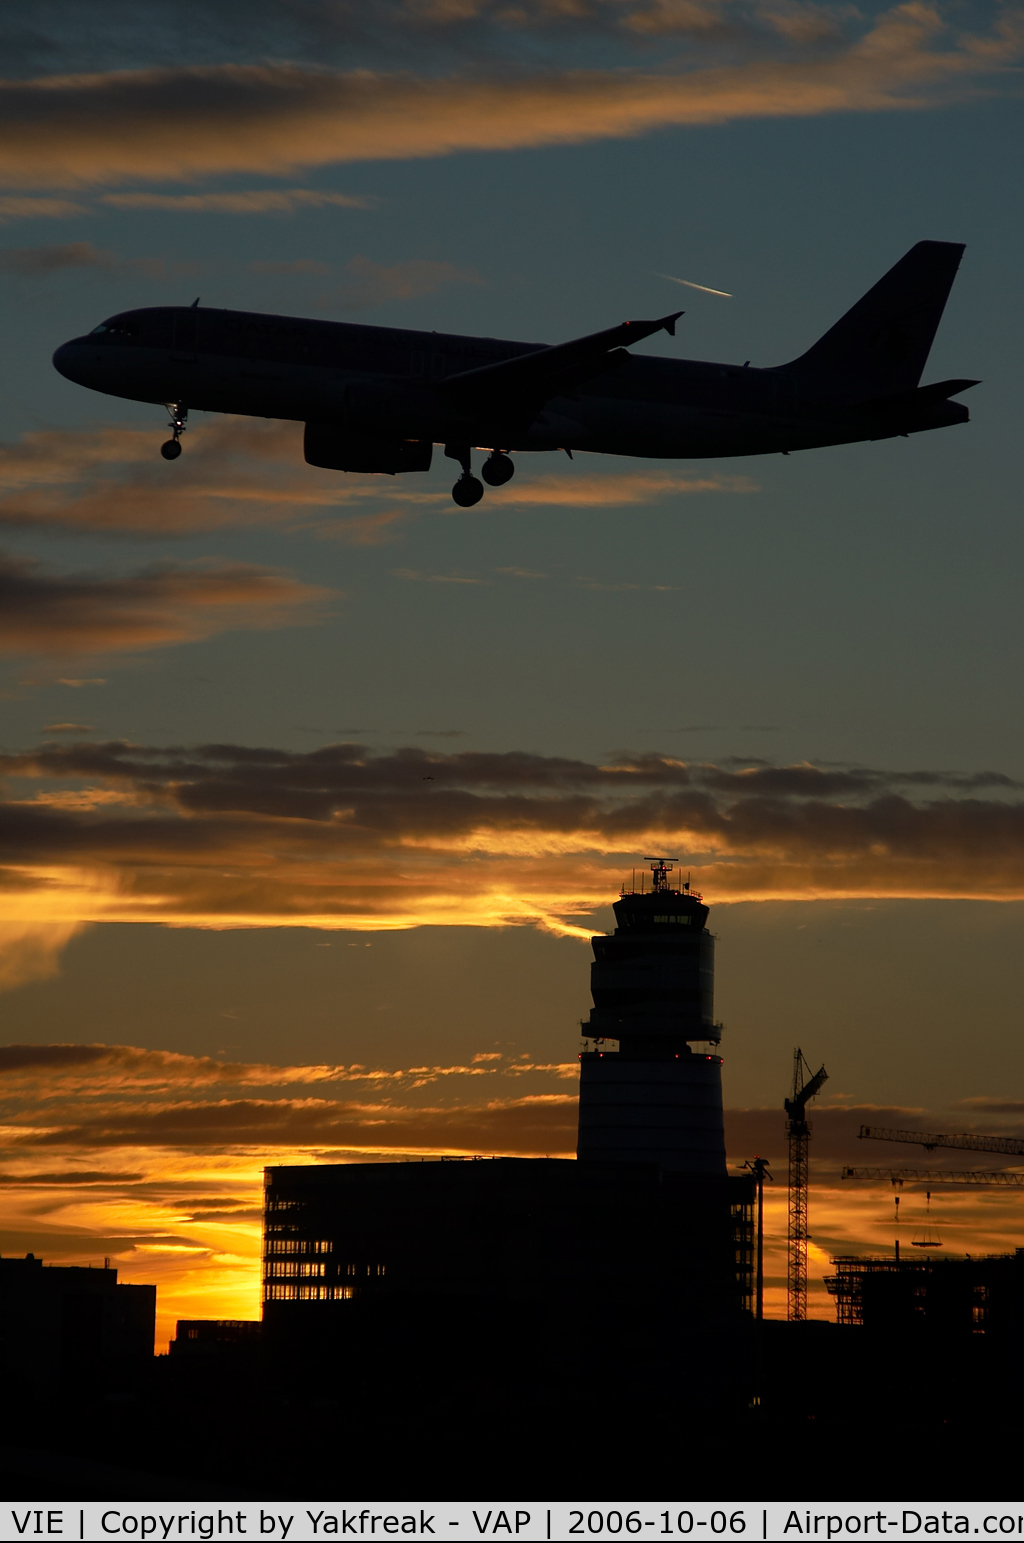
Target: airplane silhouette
[377, 399]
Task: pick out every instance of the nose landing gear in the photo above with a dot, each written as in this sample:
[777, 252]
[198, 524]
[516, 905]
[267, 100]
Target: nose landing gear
[497, 469]
[171, 448]
[469, 489]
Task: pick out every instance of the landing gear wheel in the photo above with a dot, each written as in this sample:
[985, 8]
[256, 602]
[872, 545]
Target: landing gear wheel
[498, 469]
[171, 449]
[468, 491]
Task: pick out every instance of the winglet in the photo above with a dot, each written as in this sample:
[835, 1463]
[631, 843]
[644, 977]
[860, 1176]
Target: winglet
[663, 324]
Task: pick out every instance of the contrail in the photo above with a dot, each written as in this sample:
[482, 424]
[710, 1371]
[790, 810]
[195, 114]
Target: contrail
[690, 285]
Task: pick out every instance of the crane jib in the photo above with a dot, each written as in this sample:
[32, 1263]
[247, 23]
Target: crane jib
[1013, 1146]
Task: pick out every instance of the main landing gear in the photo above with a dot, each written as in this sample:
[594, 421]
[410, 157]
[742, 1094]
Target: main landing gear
[496, 470]
[171, 448]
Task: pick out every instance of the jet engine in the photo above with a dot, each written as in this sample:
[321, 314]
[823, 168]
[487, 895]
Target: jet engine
[342, 449]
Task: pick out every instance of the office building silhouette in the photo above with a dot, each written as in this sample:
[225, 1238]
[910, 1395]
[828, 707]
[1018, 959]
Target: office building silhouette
[71, 1328]
[646, 1226]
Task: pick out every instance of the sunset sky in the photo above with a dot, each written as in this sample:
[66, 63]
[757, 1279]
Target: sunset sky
[239, 925]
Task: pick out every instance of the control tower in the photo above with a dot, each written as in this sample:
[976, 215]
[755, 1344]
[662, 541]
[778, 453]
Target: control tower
[651, 1085]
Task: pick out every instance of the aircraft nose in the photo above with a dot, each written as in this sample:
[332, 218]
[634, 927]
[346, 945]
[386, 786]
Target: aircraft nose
[64, 360]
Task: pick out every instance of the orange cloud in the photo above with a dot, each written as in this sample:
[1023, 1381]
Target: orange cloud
[60, 1071]
[181, 123]
[13, 207]
[40, 262]
[30, 948]
[532, 1126]
[114, 479]
[247, 472]
[370, 283]
[616, 490]
[42, 612]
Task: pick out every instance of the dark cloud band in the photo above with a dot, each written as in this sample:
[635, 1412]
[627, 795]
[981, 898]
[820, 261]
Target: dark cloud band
[249, 835]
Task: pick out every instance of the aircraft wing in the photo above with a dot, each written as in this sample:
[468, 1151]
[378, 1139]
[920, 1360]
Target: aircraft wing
[523, 384]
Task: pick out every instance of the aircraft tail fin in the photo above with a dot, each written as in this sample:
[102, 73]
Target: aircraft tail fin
[882, 343]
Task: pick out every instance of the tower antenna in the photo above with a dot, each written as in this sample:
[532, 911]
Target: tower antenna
[661, 867]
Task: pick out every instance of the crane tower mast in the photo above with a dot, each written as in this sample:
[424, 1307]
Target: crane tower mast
[805, 1086]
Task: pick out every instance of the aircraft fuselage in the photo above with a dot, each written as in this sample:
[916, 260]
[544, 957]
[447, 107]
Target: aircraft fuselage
[389, 383]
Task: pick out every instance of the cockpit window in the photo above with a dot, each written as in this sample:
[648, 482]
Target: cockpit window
[123, 329]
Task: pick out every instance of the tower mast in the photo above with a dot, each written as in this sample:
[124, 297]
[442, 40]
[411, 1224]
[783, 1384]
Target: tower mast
[799, 1131]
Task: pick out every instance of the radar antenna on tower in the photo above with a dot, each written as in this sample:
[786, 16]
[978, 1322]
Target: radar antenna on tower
[661, 867]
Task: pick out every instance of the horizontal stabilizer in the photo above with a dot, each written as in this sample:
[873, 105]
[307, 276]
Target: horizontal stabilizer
[879, 348]
[924, 396]
[525, 382]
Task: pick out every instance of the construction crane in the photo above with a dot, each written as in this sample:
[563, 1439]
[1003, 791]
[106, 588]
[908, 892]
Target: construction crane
[938, 1176]
[799, 1131]
[1013, 1146]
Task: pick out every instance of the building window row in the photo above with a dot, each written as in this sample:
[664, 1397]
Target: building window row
[299, 1246]
[293, 1292]
[293, 1267]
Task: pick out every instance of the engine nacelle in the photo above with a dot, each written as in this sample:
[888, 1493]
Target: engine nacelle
[341, 449]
